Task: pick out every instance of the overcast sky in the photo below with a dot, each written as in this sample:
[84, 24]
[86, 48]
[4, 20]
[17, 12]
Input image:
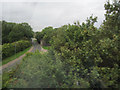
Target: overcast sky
[42, 13]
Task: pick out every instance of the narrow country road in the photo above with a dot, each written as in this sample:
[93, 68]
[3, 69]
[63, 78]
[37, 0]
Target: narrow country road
[36, 46]
[14, 63]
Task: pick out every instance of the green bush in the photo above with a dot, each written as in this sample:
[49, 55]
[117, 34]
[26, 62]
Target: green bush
[10, 49]
[110, 76]
[39, 71]
[82, 56]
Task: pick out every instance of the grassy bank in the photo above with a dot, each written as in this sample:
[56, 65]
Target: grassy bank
[46, 47]
[5, 61]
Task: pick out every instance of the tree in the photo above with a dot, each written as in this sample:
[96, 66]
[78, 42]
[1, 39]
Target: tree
[13, 32]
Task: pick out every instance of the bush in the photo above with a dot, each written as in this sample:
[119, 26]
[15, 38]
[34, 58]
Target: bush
[9, 48]
[39, 71]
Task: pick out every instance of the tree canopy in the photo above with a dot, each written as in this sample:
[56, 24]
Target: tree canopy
[12, 32]
[85, 49]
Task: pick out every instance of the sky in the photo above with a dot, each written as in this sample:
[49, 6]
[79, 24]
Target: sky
[42, 13]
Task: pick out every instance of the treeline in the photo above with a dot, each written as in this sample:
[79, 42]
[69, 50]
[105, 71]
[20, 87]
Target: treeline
[88, 53]
[46, 35]
[16, 37]
[12, 32]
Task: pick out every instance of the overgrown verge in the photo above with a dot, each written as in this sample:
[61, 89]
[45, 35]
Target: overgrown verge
[10, 49]
[13, 57]
[48, 71]
[46, 47]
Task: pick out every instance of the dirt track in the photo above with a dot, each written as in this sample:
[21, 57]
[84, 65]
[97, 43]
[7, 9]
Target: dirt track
[11, 64]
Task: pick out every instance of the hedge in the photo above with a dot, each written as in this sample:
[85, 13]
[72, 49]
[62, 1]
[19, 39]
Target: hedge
[8, 49]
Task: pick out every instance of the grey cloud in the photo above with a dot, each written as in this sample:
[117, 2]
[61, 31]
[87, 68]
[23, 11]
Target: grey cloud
[42, 14]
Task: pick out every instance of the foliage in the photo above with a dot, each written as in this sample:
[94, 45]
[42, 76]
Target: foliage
[46, 47]
[110, 76]
[0, 52]
[13, 57]
[12, 32]
[45, 35]
[6, 77]
[39, 36]
[10, 49]
[84, 47]
[81, 56]
[39, 71]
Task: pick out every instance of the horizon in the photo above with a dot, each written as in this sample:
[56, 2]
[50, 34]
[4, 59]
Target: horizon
[55, 13]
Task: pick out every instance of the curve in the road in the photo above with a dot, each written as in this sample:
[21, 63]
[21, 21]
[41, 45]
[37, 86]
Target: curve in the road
[35, 46]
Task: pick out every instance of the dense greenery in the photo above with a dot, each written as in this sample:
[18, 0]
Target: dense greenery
[10, 49]
[45, 35]
[85, 48]
[48, 71]
[45, 71]
[81, 56]
[0, 53]
[12, 32]
[13, 57]
[46, 47]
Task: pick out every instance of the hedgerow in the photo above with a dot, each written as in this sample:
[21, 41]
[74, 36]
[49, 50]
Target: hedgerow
[10, 49]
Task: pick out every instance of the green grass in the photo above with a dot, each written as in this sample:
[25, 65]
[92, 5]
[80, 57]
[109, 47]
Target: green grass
[0, 55]
[46, 47]
[6, 77]
[5, 61]
[0, 47]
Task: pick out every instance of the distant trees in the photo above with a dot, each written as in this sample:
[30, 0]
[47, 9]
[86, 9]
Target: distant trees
[0, 40]
[12, 32]
[45, 35]
[39, 36]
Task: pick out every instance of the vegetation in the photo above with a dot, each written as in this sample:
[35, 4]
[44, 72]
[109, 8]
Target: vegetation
[45, 35]
[81, 56]
[6, 77]
[51, 78]
[85, 46]
[5, 61]
[12, 32]
[0, 54]
[46, 47]
[10, 49]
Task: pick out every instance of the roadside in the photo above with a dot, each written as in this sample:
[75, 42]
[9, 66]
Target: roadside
[13, 62]
[36, 46]
[11, 58]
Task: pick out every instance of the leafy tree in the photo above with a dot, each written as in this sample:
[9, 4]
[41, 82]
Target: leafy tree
[6, 29]
[13, 32]
[39, 36]
[16, 34]
[45, 35]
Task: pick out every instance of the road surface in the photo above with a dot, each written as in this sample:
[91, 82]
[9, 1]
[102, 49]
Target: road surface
[14, 63]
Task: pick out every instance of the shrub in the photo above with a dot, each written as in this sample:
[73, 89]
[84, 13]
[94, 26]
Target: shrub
[10, 49]
[39, 71]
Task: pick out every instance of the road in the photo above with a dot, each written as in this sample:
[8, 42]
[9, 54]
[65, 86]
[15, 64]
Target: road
[36, 46]
[14, 63]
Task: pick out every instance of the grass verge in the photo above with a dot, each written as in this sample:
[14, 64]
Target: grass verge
[46, 47]
[5, 61]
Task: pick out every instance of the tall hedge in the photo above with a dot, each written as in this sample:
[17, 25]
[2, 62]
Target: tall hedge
[10, 49]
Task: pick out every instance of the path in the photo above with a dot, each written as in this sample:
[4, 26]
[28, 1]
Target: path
[11, 64]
